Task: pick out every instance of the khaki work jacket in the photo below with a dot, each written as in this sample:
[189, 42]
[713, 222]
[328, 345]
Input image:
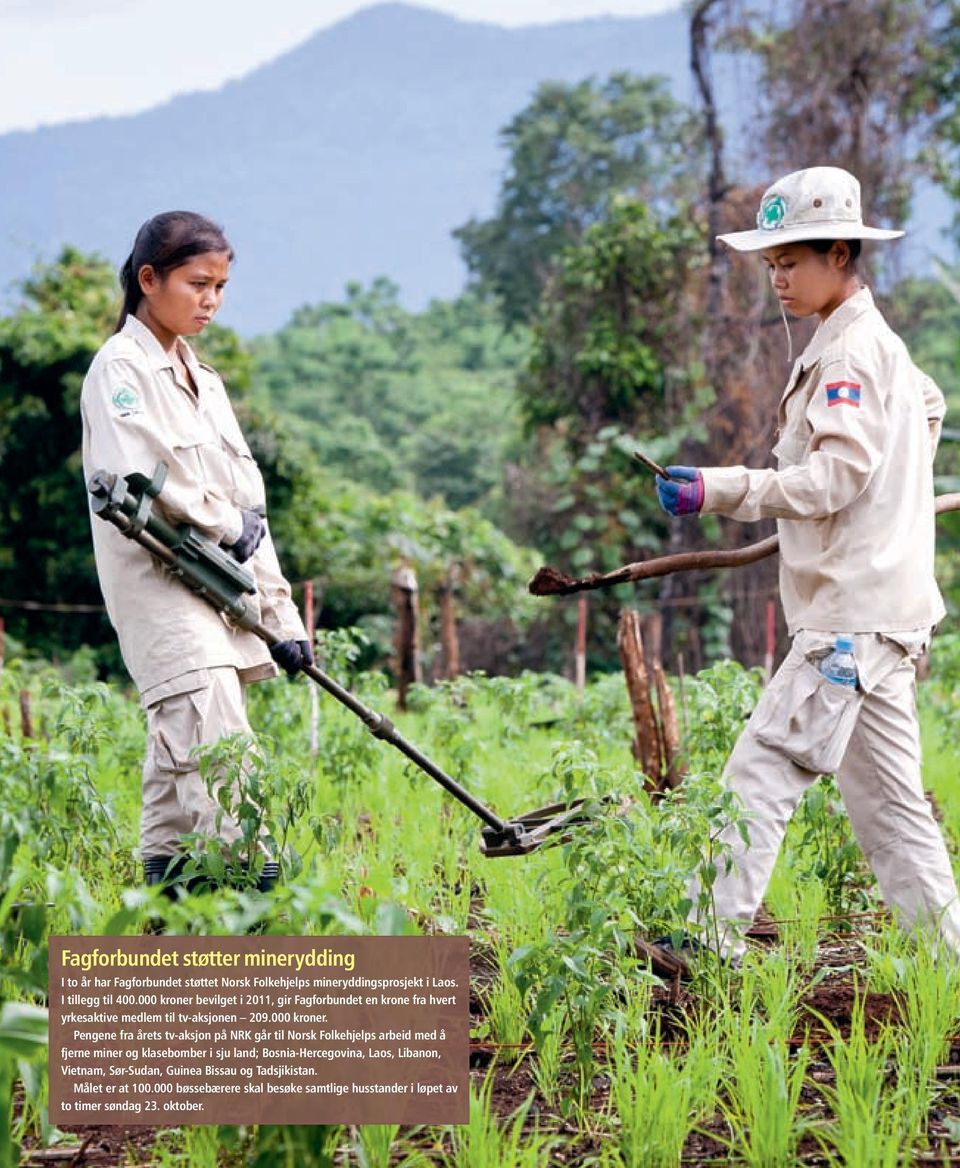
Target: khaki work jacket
[136, 413]
[853, 489]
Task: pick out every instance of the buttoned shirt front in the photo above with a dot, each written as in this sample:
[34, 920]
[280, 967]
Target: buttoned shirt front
[136, 413]
[853, 488]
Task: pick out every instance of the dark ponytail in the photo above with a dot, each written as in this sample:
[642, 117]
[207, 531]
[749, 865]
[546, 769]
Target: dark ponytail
[165, 242]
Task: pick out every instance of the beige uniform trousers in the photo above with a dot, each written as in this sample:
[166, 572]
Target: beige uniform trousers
[175, 797]
[805, 726]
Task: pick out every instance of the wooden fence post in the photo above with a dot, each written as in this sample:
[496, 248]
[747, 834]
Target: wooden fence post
[26, 717]
[404, 593]
[646, 741]
[580, 652]
[656, 745]
[309, 623]
[449, 637]
[771, 640]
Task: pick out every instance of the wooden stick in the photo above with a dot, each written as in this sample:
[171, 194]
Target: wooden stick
[673, 768]
[646, 742]
[550, 582]
[651, 465]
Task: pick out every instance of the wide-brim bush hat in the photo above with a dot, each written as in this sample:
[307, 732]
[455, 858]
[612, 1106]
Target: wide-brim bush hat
[821, 202]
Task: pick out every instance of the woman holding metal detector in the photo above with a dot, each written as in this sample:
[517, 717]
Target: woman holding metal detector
[853, 497]
[147, 400]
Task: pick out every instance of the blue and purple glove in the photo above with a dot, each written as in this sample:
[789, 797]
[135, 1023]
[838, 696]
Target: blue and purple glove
[290, 655]
[682, 493]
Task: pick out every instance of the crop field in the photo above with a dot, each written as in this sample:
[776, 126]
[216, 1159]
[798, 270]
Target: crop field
[836, 1043]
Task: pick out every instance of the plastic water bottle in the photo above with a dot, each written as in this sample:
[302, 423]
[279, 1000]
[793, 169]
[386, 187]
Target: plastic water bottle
[839, 665]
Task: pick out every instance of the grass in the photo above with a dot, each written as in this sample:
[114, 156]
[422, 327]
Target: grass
[656, 1098]
[868, 1126]
[378, 847]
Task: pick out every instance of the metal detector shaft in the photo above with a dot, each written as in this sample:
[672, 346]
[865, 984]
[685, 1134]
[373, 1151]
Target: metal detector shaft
[380, 726]
[114, 502]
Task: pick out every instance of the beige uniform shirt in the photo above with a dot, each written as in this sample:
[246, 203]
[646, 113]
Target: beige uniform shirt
[853, 488]
[136, 413]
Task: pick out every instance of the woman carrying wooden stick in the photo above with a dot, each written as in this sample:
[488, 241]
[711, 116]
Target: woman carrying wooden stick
[853, 497]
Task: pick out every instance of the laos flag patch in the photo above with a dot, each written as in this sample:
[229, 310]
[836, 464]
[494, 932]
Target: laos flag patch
[843, 393]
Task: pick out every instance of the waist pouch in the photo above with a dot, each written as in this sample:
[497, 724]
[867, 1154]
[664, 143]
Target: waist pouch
[806, 717]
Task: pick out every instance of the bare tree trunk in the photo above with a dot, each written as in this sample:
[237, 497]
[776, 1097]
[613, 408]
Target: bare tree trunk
[680, 536]
[717, 181]
[404, 593]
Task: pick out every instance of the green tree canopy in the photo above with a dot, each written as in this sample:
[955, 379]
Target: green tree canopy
[570, 151]
[393, 399]
[610, 321]
[611, 369]
[67, 310]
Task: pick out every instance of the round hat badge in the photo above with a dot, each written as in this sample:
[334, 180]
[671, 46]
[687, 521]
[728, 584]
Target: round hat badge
[772, 211]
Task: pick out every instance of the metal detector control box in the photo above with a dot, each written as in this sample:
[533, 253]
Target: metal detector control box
[203, 566]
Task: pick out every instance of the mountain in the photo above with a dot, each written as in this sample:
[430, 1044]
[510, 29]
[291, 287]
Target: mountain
[353, 155]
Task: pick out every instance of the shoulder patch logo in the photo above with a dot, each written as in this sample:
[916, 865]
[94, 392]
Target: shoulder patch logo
[126, 400]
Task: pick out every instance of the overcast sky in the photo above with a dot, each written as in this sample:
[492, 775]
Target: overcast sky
[66, 59]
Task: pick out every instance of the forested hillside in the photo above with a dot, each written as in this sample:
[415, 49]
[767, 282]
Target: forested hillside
[599, 318]
[353, 156]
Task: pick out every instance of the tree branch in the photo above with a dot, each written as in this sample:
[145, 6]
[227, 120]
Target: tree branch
[549, 582]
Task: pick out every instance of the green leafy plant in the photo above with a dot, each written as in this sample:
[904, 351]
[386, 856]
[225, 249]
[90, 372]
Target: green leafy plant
[23, 1042]
[656, 1098]
[929, 1004]
[826, 850]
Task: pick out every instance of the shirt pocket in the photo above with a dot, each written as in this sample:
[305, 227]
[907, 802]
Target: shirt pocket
[218, 464]
[808, 718]
[203, 459]
[247, 482]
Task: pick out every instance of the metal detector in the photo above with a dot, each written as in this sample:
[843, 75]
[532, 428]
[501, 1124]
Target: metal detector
[214, 574]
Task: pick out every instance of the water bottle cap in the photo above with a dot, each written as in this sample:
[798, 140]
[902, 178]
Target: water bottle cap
[844, 644]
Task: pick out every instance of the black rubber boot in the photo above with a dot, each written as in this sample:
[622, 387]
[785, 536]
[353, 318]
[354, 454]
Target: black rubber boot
[269, 876]
[168, 871]
[162, 870]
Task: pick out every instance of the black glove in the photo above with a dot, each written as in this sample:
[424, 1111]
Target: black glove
[253, 531]
[290, 655]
